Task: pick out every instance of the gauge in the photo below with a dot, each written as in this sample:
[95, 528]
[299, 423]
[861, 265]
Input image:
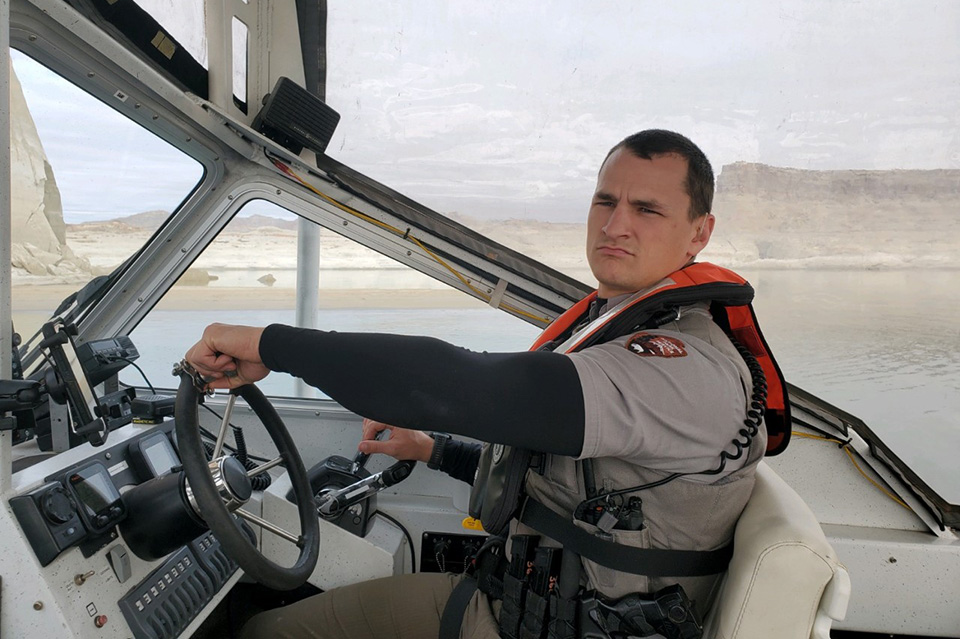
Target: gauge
[153, 455]
[96, 496]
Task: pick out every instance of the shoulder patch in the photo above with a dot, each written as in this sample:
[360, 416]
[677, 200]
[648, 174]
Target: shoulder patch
[650, 345]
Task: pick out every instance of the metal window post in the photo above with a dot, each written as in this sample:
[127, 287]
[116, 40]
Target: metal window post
[6, 306]
[308, 286]
[312, 19]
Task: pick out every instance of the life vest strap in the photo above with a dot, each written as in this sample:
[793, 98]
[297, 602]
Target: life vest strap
[650, 562]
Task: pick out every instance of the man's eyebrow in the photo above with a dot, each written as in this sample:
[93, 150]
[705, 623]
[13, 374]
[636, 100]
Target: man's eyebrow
[603, 196]
[647, 204]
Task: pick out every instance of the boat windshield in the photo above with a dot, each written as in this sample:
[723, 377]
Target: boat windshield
[89, 188]
[834, 129]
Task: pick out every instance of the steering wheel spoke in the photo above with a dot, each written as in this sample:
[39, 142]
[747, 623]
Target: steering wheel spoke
[222, 433]
[272, 528]
[265, 466]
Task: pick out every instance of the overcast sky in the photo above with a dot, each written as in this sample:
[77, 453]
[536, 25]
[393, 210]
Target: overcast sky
[505, 109]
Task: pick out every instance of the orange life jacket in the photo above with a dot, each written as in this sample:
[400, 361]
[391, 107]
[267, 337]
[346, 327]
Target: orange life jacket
[729, 296]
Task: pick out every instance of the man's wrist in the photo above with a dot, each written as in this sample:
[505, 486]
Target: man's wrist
[436, 454]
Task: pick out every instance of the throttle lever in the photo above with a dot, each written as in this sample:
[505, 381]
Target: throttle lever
[331, 504]
[360, 460]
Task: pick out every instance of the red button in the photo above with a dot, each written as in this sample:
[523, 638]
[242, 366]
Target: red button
[100, 621]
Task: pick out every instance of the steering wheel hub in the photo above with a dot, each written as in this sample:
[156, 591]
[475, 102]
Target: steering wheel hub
[231, 481]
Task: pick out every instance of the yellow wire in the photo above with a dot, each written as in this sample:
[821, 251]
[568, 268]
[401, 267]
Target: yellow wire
[849, 453]
[363, 216]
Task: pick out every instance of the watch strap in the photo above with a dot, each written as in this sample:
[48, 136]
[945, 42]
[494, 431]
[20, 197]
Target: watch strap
[439, 445]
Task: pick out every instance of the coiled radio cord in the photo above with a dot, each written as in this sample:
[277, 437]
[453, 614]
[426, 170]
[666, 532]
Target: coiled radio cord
[745, 436]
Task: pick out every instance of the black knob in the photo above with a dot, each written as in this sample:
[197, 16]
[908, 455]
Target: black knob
[101, 520]
[677, 613]
[56, 506]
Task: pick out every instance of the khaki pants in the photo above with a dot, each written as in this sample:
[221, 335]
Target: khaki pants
[401, 607]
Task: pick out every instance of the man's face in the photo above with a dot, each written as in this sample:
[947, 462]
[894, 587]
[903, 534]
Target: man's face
[639, 229]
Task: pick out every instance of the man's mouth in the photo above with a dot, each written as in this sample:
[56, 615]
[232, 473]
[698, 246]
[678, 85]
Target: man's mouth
[613, 250]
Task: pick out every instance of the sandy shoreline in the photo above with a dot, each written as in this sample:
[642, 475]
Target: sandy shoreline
[33, 298]
[33, 305]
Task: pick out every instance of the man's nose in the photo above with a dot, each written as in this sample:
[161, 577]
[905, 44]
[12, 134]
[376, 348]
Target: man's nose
[617, 223]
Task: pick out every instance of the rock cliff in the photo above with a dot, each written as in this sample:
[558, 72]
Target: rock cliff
[858, 219]
[39, 245]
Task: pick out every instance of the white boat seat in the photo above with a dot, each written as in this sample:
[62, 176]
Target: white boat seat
[784, 581]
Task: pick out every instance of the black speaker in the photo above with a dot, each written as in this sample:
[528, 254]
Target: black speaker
[294, 118]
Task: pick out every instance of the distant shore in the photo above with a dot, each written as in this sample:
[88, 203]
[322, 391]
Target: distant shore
[33, 304]
[33, 298]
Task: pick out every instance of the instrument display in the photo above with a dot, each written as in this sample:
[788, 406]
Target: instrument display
[95, 492]
[158, 454]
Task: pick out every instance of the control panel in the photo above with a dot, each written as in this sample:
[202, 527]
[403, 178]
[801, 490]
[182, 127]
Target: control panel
[170, 597]
[77, 519]
[50, 520]
[82, 505]
[448, 552]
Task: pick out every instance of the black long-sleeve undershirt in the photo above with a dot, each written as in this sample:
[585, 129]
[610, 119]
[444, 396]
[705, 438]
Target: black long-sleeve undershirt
[532, 399]
[460, 459]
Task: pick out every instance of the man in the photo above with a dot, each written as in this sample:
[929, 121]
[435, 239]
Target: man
[647, 412]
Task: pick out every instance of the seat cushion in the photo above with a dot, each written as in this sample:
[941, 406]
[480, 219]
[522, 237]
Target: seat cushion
[781, 564]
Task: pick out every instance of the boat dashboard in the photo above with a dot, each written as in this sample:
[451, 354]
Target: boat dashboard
[74, 515]
[108, 533]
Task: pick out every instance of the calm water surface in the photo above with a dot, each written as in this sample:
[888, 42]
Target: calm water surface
[884, 346]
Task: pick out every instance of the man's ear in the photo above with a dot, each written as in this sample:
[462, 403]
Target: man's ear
[703, 232]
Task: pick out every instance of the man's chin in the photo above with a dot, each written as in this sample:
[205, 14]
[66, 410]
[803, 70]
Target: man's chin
[612, 286]
[608, 288]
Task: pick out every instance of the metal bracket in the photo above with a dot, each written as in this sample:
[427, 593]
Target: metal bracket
[497, 296]
[184, 369]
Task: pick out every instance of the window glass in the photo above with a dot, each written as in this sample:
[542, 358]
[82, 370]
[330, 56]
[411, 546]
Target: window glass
[89, 187]
[832, 127]
[248, 275]
[240, 55]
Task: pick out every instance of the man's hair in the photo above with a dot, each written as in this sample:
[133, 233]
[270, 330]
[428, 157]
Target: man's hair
[699, 182]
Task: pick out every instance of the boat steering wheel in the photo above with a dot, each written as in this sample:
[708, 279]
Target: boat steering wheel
[217, 489]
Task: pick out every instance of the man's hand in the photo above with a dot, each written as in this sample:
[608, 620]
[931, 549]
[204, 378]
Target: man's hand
[228, 356]
[403, 444]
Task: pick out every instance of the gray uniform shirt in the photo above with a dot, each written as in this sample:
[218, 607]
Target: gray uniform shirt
[650, 398]
[659, 402]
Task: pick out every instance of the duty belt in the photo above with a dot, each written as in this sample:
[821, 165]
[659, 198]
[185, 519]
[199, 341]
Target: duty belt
[542, 599]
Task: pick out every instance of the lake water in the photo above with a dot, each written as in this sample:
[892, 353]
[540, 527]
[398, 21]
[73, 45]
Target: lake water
[884, 346]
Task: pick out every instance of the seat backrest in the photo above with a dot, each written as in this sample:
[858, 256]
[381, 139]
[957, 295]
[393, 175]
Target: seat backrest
[781, 567]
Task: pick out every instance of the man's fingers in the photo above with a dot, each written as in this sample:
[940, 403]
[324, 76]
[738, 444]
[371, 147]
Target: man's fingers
[224, 362]
[208, 363]
[372, 428]
[372, 447]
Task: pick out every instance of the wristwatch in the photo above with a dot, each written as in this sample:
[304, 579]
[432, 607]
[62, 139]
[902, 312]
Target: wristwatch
[436, 455]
